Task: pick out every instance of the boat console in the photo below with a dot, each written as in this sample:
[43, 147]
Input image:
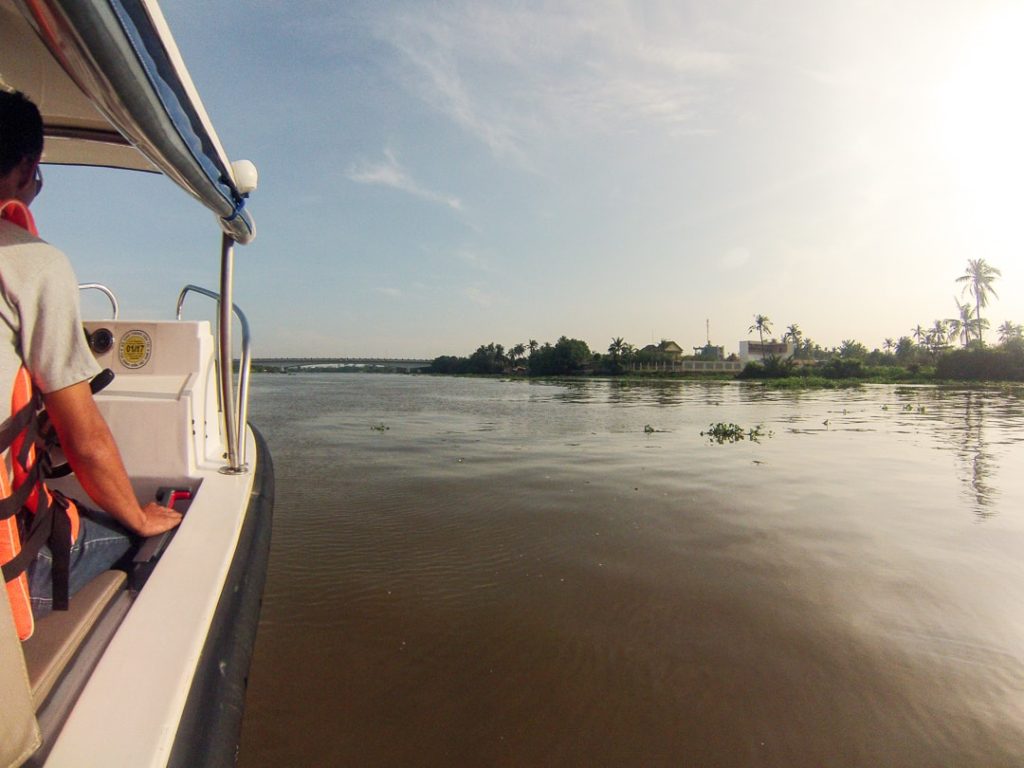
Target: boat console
[162, 404]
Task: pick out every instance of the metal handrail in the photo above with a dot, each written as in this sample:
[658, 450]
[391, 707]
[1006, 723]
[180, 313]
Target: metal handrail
[102, 289]
[235, 434]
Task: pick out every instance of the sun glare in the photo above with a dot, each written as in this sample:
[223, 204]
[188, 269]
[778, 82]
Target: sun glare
[983, 129]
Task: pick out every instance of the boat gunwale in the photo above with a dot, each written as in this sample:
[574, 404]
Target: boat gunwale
[211, 723]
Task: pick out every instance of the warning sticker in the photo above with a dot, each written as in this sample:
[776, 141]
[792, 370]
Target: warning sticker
[135, 349]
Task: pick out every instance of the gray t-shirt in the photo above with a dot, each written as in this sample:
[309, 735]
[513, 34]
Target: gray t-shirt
[40, 321]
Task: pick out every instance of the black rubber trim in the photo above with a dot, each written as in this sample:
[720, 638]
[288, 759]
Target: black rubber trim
[211, 724]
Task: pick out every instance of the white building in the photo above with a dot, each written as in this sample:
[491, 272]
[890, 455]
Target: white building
[756, 351]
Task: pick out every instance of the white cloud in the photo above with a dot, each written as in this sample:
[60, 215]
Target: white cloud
[394, 293]
[513, 76]
[390, 173]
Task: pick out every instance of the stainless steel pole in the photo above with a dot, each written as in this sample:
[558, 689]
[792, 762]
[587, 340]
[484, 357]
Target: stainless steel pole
[227, 394]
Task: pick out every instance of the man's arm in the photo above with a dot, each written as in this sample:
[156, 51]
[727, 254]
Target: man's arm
[93, 454]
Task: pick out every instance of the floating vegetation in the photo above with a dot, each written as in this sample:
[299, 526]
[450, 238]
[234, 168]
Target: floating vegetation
[380, 427]
[648, 429]
[723, 432]
[810, 382]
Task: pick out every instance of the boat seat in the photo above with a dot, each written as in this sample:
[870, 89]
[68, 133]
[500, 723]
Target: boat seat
[19, 731]
[59, 635]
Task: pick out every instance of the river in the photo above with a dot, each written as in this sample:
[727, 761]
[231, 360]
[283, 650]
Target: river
[477, 572]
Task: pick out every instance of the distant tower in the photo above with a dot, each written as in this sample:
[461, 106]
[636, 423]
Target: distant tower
[708, 352]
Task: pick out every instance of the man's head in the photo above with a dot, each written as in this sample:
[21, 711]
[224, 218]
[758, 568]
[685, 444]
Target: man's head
[21, 144]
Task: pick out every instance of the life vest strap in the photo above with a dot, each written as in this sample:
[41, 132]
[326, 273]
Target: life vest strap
[51, 525]
[37, 535]
[17, 422]
[50, 522]
[35, 471]
[14, 503]
[60, 549]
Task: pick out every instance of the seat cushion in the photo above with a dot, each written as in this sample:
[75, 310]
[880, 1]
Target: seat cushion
[59, 635]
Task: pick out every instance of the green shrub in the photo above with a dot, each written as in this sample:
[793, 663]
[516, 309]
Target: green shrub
[981, 364]
[840, 368]
[771, 368]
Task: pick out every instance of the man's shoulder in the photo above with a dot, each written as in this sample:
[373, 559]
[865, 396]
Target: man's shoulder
[17, 245]
[12, 234]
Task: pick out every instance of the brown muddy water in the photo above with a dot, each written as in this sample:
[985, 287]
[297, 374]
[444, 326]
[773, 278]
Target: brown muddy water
[505, 573]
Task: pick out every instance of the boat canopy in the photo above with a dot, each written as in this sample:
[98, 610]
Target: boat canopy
[114, 91]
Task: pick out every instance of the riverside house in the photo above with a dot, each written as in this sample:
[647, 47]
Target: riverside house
[669, 351]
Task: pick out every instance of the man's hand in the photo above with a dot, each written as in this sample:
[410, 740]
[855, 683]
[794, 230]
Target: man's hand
[157, 519]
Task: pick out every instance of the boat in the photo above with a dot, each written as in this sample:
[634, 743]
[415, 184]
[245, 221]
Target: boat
[148, 667]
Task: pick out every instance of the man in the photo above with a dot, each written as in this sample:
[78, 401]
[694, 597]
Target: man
[41, 330]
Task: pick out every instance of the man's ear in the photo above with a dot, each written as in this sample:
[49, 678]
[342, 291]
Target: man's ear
[25, 179]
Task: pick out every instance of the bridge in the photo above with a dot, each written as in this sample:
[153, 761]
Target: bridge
[381, 363]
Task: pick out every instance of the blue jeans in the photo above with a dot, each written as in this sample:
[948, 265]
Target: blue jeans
[101, 542]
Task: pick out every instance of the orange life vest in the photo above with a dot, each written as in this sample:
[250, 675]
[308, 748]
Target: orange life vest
[31, 515]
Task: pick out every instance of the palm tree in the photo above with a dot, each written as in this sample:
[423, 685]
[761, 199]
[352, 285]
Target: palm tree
[888, 345]
[937, 335]
[957, 328]
[762, 324]
[794, 334]
[616, 348]
[809, 348]
[516, 352]
[532, 345]
[852, 348]
[904, 347]
[1008, 331]
[978, 279]
[919, 333]
[963, 325]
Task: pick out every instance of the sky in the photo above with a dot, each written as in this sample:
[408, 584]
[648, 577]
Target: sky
[439, 175]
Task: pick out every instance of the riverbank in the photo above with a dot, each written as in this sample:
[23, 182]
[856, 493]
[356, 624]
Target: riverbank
[790, 383]
[781, 383]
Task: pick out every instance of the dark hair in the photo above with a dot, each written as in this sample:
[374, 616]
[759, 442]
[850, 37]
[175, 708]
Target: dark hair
[21, 130]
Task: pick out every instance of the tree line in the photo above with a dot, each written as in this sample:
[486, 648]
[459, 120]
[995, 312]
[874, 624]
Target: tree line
[948, 348]
[566, 357]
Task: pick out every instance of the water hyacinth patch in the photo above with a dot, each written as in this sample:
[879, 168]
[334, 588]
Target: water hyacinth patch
[727, 432]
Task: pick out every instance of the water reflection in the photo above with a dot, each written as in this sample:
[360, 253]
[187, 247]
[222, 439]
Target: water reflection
[976, 460]
[970, 418]
[974, 425]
